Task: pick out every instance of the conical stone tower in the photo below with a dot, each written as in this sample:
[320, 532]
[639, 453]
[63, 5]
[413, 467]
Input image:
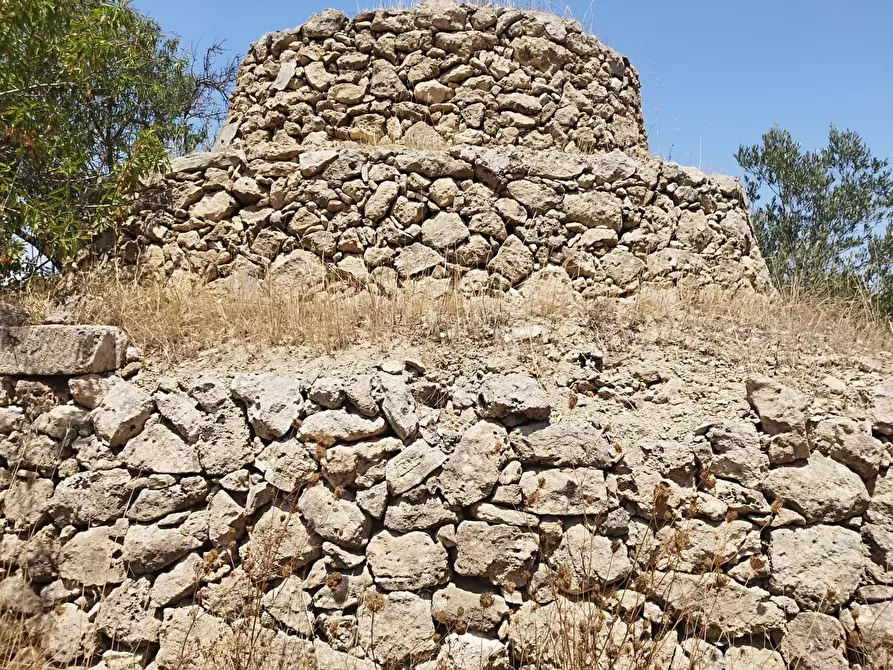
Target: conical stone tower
[446, 143]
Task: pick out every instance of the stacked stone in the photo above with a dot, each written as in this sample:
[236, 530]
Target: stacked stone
[523, 155]
[488, 218]
[395, 518]
[442, 73]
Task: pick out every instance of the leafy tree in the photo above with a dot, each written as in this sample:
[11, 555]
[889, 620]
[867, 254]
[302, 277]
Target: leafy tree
[93, 98]
[824, 218]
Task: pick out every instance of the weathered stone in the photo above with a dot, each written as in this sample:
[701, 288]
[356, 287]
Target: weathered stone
[584, 561]
[397, 405]
[820, 566]
[69, 635]
[125, 615]
[180, 411]
[398, 628]
[815, 642]
[63, 422]
[334, 519]
[737, 453]
[412, 466]
[472, 470]
[325, 24]
[417, 259]
[190, 636]
[512, 397]
[593, 210]
[214, 207]
[472, 651]
[90, 497]
[290, 605]
[273, 402]
[92, 558]
[60, 350]
[421, 513]
[721, 607]
[882, 408]
[479, 611]
[179, 582]
[280, 537]
[566, 492]
[781, 409]
[226, 520]
[150, 548]
[842, 440]
[328, 658]
[500, 553]
[444, 231]
[122, 413]
[874, 624]
[348, 464]
[26, 502]
[286, 464]
[822, 490]
[514, 260]
[158, 449]
[379, 203]
[330, 426]
[407, 562]
[570, 443]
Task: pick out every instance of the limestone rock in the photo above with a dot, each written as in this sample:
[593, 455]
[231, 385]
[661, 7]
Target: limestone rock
[412, 466]
[566, 492]
[59, 350]
[514, 261]
[722, 607]
[500, 553]
[180, 411]
[379, 203]
[822, 490]
[150, 548]
[90, 497]
[585, 561]
[190, 635]
[334, 519]
[472, 651]
[158, 449]
[479, 611]
[291, 605]
[815, 642]
[781, 409]
[348, 464]
[737, 453]
[472, 470]
[818, 566]
[324, 24]
[331, 425]
[570, 443]
[92, 558]
[407, 562]
[125, 615]
[444, 231]
[286, 464]
[842, 440]
[513, 397]
[27, 502]
[122, 413]
[69, 635]
[328, 658]
[399, 628]
[419, 513]
[274, 403]
[882, 408]
[417, 259]
[397, 405]
[280, 537]
[179, 582]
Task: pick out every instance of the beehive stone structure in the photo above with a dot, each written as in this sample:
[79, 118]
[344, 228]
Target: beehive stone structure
[450, 142]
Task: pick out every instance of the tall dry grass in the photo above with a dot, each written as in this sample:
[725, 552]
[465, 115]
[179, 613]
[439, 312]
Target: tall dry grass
[172, 322]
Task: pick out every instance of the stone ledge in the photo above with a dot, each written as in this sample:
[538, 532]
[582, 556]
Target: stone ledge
[60, 350]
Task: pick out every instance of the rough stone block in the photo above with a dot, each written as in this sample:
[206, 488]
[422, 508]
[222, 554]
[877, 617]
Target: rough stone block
[60, 350]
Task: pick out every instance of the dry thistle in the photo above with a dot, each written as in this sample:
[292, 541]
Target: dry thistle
[374, 601]
[487, 600]
[334, 580]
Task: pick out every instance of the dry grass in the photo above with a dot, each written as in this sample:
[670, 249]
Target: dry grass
[172, 323]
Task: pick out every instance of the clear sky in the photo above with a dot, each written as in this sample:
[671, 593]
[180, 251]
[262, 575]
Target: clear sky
[715, 73]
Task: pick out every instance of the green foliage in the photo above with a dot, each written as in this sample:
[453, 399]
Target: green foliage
[93, 97]
[824, 218]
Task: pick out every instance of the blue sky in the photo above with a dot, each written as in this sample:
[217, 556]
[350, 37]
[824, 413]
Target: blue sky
[715, 73]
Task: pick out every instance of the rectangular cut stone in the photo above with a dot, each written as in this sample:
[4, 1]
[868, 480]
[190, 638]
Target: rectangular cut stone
[60, 350]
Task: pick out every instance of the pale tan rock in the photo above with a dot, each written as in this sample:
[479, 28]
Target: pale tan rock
[407, 562]
[401, 627]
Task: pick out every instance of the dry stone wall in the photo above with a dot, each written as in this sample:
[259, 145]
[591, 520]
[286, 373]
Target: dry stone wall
[488, 218]
[401, 517]
[442, 73]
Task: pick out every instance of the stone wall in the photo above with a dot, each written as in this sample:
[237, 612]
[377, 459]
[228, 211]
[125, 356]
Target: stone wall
[405, 515]
[488, 218]
[439, 73]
